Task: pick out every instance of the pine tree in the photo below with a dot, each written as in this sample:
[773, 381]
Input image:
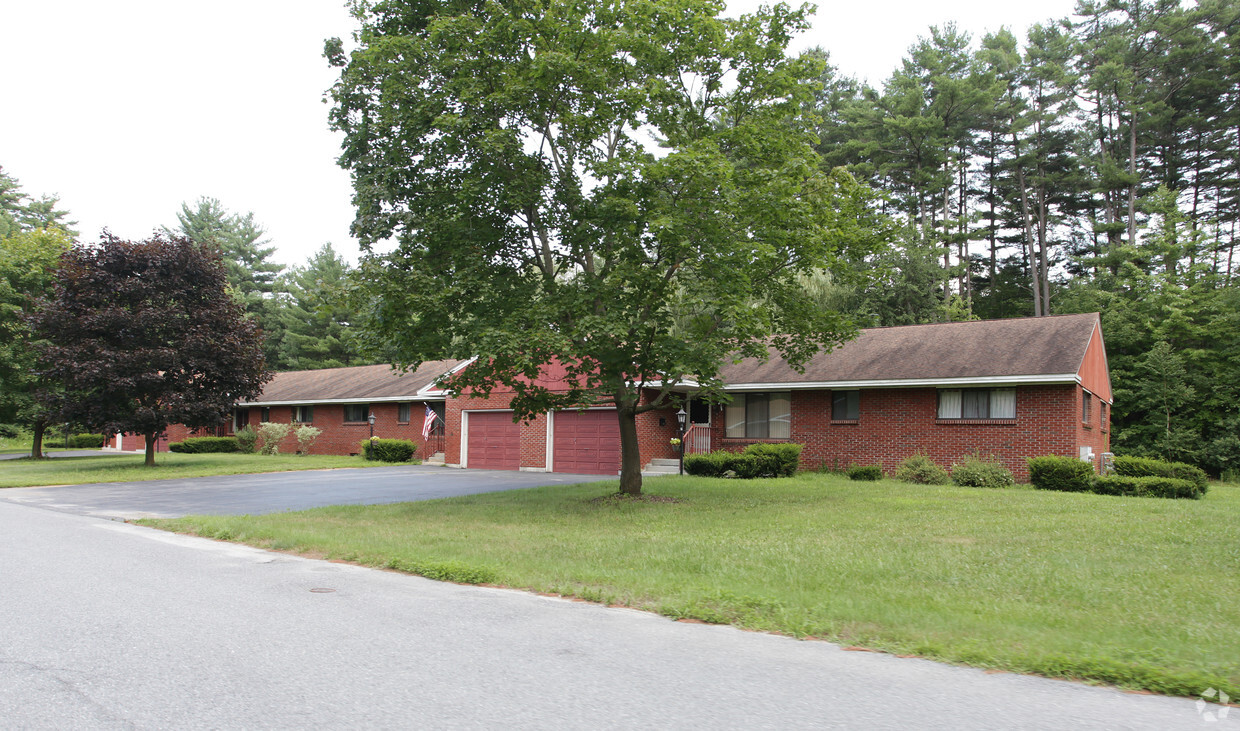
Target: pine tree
[317, 322]
[252, 278]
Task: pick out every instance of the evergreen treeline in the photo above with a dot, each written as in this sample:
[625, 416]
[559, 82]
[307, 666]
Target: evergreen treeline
[1090, 166]
[306, 317]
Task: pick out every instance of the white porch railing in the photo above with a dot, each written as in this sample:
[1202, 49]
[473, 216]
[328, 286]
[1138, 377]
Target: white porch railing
[697, 439]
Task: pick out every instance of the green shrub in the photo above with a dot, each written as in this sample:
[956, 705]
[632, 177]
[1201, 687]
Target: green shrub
[271, 435]
[389, 450]
[1149, 486]
[975, 471]
[776, 460]
[922, 470]
[8, 431]
[204, 445]
[757, 460]
[305, 438]
[711, 464]
[86, 441]
[247, 439]
[865, 472]
[1146, 467]
[1066, 474]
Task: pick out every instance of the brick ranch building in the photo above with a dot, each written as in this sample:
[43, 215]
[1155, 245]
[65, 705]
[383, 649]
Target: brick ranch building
[1007, 389]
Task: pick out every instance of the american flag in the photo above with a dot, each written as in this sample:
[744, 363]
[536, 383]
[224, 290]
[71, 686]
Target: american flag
[428, 422]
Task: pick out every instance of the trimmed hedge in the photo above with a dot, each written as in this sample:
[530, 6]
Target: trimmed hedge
[977, 472]
[389, 450]
[1146, 467]
[922, 470]
[865, 472]
[1154, 478]
[1065, 474]
[1150, 486]
[757, 460]
[205, 445]
[776, 460]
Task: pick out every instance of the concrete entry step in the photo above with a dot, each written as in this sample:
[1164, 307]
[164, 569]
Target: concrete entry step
[660, 462]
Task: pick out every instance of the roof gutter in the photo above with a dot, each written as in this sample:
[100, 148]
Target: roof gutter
[316, 402]
[911, 383]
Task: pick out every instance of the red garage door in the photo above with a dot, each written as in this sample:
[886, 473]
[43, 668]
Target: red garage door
[586, 443]
[494, 442]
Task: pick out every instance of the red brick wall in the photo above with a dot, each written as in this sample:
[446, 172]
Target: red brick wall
[1093, 432]
[897, 423]
[337, 436]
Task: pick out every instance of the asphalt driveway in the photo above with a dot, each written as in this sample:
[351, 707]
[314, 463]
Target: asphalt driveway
[278, 491]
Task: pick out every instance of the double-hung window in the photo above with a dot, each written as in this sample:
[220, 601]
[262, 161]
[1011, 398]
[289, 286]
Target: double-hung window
[1086, 399]
[759, 416]
[356, 412]
[977, 403]
[303, 414]
[402, 413]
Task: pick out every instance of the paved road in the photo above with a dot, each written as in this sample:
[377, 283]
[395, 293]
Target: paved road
[278, 491]
[108, 625]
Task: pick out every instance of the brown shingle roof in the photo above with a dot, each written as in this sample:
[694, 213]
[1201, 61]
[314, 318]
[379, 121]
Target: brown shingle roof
[358, 383]
[1034, 346]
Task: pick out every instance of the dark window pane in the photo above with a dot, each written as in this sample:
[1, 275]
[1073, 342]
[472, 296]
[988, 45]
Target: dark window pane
[976, 404]
[757, 415]
[845, 405]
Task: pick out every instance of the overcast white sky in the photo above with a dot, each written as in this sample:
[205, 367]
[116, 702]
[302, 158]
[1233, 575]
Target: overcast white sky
[125, 109]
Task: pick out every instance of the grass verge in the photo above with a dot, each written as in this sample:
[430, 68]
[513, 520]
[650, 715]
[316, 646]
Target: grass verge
[1138, 593]
[168, 465]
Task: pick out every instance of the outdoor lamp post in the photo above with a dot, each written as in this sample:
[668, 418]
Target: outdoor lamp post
[681, 417]
[371, 419]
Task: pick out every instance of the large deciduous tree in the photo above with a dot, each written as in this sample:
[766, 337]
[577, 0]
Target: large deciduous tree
[28, 263]
[144, 334]
[626, 188]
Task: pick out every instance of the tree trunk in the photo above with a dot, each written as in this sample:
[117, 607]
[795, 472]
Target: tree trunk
[36, 451]
[630, 457]
[1028, 247]
[990, 195]
[1132, 185]
[150, 448]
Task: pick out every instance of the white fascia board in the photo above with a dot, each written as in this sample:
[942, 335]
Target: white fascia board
[910, 383]
[316, 402]
[430, 390]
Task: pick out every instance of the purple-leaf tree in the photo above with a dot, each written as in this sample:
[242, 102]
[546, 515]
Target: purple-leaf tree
[143, 334]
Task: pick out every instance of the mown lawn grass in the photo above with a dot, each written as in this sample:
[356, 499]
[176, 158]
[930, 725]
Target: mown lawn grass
[168, 465]
[1139, 593]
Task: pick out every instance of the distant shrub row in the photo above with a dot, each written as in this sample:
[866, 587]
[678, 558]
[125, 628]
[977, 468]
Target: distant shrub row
[757, 460]
[1134, 476]
[73, 441]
